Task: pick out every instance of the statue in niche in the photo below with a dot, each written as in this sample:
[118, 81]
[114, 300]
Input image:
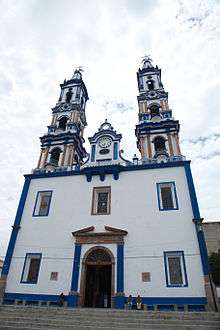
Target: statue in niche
[69, 95]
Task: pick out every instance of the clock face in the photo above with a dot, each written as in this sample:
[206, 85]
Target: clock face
[105, 142]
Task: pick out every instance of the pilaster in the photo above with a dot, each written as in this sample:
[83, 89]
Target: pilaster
[170, 144]
[119, 299]
[72, 298]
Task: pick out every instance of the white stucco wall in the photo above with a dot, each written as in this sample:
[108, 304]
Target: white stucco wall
[134, 208]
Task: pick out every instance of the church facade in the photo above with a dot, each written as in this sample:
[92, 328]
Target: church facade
[98, 227]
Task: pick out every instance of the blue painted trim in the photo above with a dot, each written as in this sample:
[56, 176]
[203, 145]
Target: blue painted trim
[76, 265]
[120, 268]
[35, 204]
[31, 297]
[110, 169]
[115, 153]
[146, 300]
[120, 301]
[181, 254]
[93, 153]
[25, 260]
[196, 214]
[175, 196]
[173, 300]
[16, 226]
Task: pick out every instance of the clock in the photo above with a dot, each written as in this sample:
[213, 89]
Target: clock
[105, 142]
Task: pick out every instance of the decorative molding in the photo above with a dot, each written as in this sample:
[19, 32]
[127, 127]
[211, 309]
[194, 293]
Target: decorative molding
[108, 169]
[116, 230]
[83, 231]
[110, 236]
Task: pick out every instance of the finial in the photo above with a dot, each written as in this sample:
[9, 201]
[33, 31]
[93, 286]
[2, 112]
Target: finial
[77, 73]
[147, 62]
[146, 58]
[79, 68]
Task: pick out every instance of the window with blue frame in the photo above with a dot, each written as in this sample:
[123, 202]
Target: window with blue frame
[175, 269]
[167, 196]
[42, 203]
[31, 268]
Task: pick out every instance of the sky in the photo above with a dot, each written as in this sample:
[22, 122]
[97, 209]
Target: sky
[43, 41]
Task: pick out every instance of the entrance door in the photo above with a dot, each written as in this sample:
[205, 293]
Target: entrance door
[98, 286]
[98, 278]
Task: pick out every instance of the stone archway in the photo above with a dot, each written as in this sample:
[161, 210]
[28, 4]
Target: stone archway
[97, 286]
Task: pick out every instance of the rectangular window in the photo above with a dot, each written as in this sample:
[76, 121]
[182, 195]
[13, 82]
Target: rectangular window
[31, 268]
[175, 269]
[42, 203]
[167, 197]
[101, 200]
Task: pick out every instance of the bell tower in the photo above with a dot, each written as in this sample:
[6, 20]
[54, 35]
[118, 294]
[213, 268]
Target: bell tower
[62, 145]
[157, 131]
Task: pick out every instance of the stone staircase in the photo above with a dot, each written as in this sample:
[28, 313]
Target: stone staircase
[54, 318]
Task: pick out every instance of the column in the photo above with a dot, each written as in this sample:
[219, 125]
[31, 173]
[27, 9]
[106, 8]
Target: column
[72, 299]
[120, 300]
[63, 156]
[149, 146]
[170, 144]
[39, 162]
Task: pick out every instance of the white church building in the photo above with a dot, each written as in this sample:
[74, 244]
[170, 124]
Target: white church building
[98, 227]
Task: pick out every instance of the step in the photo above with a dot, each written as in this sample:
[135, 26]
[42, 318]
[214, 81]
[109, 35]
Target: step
[14, 325]
[101, 312]
[104, 319]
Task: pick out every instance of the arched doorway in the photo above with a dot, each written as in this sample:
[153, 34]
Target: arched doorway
[97, 278]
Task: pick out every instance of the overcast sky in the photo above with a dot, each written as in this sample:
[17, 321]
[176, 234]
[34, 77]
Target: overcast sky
[42, 41]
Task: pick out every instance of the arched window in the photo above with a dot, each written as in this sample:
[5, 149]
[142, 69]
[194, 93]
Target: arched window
[69, 95]
[154, 111]
[55, 156]
[159, 144]
[62, 123]
[150, 84]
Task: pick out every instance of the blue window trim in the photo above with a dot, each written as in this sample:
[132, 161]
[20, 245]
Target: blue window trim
[35, 204]
[115, 154]
[181, 254]
[22, 274]
[93, 149]
[175, 196]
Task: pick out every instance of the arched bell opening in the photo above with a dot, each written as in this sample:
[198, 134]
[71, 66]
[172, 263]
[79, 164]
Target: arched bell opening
[69, 95]
[97, 278]
[159, 144]
[62, 123]
[151, 84]
[55, 156]
[154, 111]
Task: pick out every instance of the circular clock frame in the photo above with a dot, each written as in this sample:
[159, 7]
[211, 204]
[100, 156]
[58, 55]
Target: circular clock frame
[105, 142]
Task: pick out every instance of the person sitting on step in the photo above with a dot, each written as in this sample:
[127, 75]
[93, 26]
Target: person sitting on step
[129, 302]
[139, 302]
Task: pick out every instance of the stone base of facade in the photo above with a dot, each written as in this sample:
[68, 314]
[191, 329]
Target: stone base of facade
[149, 303]
[211, 294]
[72, 299]
[3, 280]
[120, 300]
